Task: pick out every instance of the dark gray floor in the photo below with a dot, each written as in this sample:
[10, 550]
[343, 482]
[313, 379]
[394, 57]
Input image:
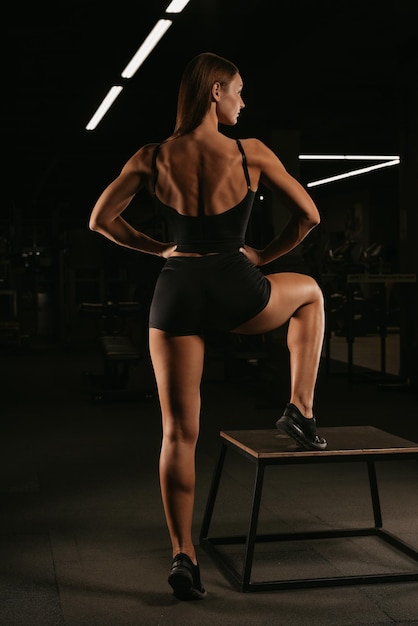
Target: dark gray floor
[82, 533]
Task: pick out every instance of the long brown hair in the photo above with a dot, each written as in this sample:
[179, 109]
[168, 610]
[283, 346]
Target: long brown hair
[195, 91]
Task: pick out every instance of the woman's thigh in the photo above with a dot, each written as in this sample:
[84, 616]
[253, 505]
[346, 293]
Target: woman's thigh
[178, 366]
[289, 292]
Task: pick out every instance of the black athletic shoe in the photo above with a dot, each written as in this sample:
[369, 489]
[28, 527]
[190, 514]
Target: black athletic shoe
[300, 428]
[184, 578]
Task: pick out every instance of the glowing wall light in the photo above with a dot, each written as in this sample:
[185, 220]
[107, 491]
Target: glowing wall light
[385, 161]
[146, 47]
[105, 106]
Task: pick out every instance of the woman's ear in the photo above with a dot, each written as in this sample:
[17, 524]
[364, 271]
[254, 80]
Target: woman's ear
[216, 91]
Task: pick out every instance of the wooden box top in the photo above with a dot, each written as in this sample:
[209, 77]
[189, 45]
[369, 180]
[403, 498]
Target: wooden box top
[342, 441]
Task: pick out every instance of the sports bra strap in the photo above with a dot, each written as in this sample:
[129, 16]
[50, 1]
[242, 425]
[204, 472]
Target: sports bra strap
[244, 163]
[154, 168]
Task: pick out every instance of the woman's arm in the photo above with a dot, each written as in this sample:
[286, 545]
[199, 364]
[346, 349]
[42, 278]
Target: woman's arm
[106, 216]
[304, 213]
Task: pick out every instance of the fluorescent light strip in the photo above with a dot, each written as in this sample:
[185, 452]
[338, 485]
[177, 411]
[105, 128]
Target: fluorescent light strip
[104, 107]
[146, 47]
[347, 157]
[161, 27]
[363, 170]
[139, 57]
[176, 6]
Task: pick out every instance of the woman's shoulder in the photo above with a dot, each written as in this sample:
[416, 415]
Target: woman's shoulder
[143, 156]
[255, 149]
[147, 150]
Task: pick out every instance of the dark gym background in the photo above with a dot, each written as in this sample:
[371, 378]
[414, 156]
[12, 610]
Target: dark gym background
[82, 531]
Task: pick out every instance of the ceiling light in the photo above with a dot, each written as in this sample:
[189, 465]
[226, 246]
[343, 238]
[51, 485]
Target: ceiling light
[386, 161]
[176, 6]
[146, 47]
[362, 170]
[160, 28]
[105, 105]
[347, 157]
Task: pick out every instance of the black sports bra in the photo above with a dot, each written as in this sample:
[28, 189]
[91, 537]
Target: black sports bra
[207, 233]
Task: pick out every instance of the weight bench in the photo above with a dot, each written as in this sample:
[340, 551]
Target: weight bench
[119, 352]
[262, 448]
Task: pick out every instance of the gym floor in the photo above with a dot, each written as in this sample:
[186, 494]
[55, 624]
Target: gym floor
[82, 533]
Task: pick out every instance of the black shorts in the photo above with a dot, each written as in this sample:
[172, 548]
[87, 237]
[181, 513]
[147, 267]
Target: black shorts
[209, 293]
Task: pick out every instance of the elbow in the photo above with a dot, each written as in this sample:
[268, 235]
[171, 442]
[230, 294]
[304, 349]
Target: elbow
[316, 221]
[313, 221]
[95, 225]
[314, 218]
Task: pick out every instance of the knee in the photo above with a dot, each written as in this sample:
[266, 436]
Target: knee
[318, 293]
[176, 432]
[315, 292]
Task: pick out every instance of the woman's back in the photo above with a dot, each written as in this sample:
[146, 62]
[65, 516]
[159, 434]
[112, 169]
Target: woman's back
[201, 174]
[206, 206]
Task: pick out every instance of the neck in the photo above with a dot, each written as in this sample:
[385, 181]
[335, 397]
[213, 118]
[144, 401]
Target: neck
[210, 122]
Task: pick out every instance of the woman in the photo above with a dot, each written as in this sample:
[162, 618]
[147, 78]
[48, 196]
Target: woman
[204, 184]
